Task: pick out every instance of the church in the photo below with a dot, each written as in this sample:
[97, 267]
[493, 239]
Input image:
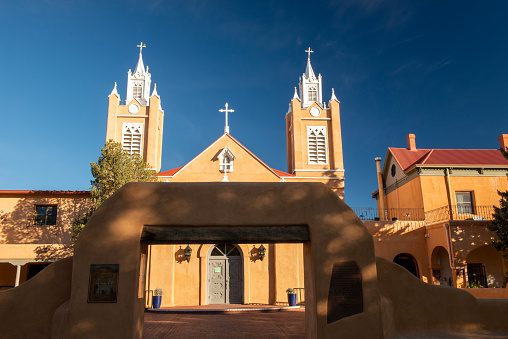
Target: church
[231, 273]
[433, 205]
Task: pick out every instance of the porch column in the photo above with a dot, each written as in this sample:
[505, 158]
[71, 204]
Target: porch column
[18, 273]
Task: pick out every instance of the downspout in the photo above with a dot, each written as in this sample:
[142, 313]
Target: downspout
[381, 211]
[449, 192]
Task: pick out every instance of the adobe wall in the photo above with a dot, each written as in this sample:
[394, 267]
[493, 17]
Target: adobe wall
[411, 306]
[27, 311]
[112, 236]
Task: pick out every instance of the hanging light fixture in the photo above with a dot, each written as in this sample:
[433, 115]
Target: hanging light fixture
[261, 252]
[188, 253]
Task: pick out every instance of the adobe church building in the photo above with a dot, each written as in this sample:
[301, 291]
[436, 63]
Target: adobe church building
[36, 226]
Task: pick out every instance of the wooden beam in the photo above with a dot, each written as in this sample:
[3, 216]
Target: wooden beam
[225, 234]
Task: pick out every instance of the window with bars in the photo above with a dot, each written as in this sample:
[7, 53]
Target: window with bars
[137, 91]
[45, 215]
[132, 138]
[316, 141]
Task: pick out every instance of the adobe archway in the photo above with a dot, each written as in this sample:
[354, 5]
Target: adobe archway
[334, 240]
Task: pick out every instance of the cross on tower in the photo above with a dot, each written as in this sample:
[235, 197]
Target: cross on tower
[141, 45]
[309, 51]
[226, 128]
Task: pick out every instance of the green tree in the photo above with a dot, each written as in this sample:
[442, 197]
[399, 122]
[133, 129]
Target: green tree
[500, 222]
[113, 169]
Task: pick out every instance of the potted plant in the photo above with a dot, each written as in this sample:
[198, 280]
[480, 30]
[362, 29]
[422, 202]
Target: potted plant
[157, 297]
[291, 296]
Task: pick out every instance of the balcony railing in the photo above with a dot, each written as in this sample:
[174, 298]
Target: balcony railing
[459, 213]
[418, 214]
[372, 213]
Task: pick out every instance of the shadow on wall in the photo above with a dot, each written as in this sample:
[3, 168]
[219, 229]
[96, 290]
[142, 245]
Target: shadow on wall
[19, 226]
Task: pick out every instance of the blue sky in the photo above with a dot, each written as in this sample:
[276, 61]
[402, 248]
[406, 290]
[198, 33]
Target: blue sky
[434, 68]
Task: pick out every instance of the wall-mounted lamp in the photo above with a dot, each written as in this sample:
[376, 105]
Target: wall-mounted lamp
[262, 252]
[188, 253]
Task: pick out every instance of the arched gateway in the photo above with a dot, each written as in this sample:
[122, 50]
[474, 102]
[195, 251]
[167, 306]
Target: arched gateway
[335, 243]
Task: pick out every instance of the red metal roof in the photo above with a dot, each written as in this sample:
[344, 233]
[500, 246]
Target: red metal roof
[170, 172]
[282, 174]
[41, 192]
[457, 157]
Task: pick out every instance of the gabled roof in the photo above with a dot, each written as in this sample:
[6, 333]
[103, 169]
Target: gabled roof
[172, 172]
[447, 157]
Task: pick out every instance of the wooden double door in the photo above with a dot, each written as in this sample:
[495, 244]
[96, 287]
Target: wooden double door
[225, 275]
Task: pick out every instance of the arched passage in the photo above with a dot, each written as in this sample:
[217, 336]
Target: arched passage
[409, 262]
[441, 269]
[334, 242]
[484, 267]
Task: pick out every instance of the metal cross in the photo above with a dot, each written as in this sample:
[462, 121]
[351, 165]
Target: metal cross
[226, 128]
[141, 45]
[309, 51]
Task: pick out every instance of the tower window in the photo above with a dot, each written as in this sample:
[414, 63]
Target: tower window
[312, 93]
[137, 91]
[226, 158]
[316, 141]
[132, 138]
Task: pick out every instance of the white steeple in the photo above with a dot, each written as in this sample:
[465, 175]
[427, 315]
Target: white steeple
[295, 96]
[333, 96]
[115, 92]
[310, 85]
[138, 83]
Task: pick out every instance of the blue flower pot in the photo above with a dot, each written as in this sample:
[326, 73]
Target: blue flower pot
[156, 301]
[292, 299]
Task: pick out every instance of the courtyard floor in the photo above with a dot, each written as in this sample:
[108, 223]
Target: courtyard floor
[184, 323]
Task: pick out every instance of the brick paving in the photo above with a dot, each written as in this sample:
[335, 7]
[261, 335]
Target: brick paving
[252, 324]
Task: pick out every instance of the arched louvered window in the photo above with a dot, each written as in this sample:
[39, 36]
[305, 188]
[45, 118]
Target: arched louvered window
[137, 91]
[316, 141]
[132, 138]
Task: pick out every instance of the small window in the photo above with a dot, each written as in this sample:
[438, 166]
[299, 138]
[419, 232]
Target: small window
[137, 91]
[226, 158]
[464, 202]
[45, 215]
[312, 93]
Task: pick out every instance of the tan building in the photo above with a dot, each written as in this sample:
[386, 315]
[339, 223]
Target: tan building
[35, 230]
[440, 203]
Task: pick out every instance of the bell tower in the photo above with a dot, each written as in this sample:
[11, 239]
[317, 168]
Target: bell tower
[313, 134]
[138, 124]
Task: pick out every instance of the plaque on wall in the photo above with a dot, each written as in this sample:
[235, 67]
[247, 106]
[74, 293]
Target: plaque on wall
[345, 297]
[103, 285]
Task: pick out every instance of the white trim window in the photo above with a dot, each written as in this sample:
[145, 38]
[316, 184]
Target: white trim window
[312, 94]
[464, 202]
[132, 138]
[226, 158]
[137, 90]
[316, 143]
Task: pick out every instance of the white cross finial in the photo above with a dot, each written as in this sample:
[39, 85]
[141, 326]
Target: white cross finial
[141, 45]
[309, 51]
[226, 128]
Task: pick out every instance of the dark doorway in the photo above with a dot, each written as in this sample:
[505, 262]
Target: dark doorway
[34, 269]
[408, 262]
